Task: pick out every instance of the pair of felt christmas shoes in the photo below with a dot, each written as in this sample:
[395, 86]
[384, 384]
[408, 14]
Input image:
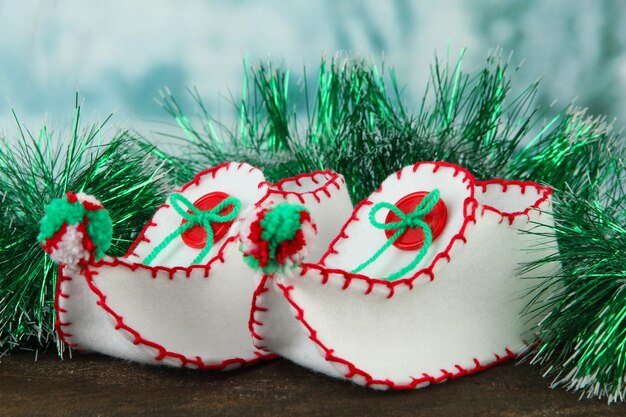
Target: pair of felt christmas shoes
[418, 284]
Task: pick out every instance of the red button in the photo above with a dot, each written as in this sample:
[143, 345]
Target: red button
[413, 239]
[196, 237]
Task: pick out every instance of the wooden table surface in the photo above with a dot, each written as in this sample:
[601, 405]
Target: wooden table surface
[93, 385]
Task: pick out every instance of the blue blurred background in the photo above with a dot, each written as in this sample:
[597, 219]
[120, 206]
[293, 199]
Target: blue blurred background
[119, 54]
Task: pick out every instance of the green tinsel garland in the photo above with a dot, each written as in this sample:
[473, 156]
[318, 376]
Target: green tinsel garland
[357, 123]
[34, 169]
[583, 306]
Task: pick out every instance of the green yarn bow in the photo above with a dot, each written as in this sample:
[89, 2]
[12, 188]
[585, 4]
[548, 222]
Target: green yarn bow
[411, 220]
[197, 217]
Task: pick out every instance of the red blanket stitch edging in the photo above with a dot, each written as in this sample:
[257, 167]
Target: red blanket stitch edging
[353, 371]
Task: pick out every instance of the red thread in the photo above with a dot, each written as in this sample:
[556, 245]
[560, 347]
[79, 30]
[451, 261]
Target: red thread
[89, 206]
[353, 370]
[53, 242]
[87, 242]
[60, 325]
[254, 321]
[544, 193]
[173, 272]
[469, 206]
[469, 209]
[332, 178]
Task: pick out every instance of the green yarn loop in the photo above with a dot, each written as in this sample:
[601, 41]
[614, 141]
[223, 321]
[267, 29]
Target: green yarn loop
[197, 217]
[412, 220]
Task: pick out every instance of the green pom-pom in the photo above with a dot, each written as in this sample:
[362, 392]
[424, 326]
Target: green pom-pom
[281, 223]
[100, 229]
[277, 237]
[255, 264]
[60, 211]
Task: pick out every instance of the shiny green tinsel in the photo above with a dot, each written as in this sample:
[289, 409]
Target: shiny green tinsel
[34, 169]
[357, 122]
[582, 307]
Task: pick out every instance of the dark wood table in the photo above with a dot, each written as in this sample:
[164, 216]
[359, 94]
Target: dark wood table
[93, 385]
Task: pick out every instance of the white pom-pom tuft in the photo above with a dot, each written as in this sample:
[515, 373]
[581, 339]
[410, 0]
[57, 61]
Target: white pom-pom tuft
[69, 249]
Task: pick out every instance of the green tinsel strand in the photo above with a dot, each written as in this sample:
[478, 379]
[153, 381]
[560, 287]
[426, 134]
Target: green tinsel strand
[35, 169]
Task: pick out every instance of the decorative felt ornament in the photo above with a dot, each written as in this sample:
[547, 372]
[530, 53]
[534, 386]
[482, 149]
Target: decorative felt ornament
[181, 296]
[421, 285]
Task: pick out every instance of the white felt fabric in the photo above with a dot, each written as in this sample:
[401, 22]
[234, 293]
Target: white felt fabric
[70, 249]
[274, 326]
[409, 333]
[191, 316]
[86, 325]
[195, 313]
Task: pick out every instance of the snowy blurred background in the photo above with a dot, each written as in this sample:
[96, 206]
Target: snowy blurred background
[118, 54]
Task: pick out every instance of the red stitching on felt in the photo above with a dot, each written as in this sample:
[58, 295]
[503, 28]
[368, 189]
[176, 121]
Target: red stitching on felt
[257, 310]
[346, 282]
[137, 338]
[353, 370]
[470, 206]
[332, 178]
[544, 193]
[171, 271]
[61, 326]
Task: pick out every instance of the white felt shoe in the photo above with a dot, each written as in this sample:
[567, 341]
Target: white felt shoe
[455, 312]
[171, 304]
